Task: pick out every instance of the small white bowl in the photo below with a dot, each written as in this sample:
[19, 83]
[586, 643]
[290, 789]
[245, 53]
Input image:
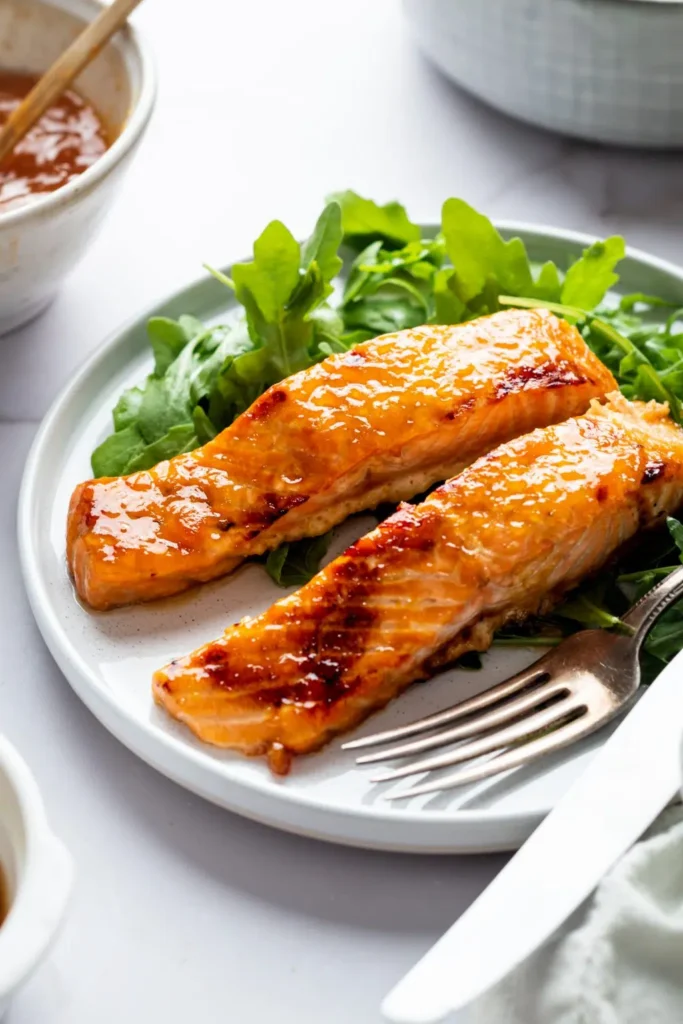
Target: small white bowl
[605, 70]
[37, 874]
[43, 240]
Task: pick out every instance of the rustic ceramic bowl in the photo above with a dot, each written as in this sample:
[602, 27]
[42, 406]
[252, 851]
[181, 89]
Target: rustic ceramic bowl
[37, 875]
[42, 241]
[605, 70]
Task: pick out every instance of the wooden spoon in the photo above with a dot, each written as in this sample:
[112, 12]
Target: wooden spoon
[59, 77]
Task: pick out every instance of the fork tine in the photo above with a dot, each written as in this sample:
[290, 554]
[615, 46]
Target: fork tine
[483, 700]
[517, 756]
[548, 718]
[499, 716]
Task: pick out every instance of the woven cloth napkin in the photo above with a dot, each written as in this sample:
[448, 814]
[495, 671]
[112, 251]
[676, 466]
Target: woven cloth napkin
[619, 959]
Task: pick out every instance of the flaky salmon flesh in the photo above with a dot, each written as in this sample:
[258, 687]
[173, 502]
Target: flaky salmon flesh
[503, 540]
[382, 422]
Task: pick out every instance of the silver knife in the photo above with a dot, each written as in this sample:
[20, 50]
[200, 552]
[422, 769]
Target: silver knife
[630, 780]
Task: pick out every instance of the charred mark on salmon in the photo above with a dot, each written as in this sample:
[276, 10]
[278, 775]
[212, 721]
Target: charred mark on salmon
[214, 661]
[332, 639]
[84, 511]
[356, 357]
[464, 407]
[529, 378]
[264, 405]
[339, 628]
[213, 657]
[406, 530]
[602, 493]
[278, 504]
[338, 639]
[653, 471]
[346, 569]
[273, 507]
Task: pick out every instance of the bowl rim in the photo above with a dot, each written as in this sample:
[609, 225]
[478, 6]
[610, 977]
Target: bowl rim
[45, 878]
[141, 111]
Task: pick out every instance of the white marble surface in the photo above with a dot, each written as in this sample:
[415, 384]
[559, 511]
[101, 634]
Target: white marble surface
[183, 913]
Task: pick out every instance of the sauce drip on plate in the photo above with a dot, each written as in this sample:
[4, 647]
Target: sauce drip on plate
[67, 139]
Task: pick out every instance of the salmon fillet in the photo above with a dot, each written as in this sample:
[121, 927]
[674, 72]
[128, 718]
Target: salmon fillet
[503, 540]
[379, 423]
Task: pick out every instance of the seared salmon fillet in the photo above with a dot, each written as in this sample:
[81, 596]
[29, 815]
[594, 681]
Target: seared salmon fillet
[379, 423]
[503, 540]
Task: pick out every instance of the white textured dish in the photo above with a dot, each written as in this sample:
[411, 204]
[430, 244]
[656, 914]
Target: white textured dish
[602, 70]
[109, 658]
[38, 872]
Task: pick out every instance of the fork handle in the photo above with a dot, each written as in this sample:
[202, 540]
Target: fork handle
[645, 612]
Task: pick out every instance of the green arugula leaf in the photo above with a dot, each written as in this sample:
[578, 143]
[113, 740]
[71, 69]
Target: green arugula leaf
[666, 636]
[265, 285]
[589, 279]
[391, 290]
[178, 439]
[592, 605]
[204, 428]
[282, 288]
[627, 303]
[478, 253]
[547, 284]
[448, 306]
[384, 314]
[127, 409]
[115, 453]
[323, 245]
[645, 579]
[676, 530]
[485, 266]
[636, 374]
[168, 338]
[292, 565]
[588, 609]
[363, 220]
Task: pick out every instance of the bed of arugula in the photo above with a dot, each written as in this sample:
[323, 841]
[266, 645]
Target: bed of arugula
[295, 315]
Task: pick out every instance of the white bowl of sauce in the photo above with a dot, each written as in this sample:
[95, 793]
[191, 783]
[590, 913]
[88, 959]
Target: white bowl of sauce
[57, 185]
[36, 876]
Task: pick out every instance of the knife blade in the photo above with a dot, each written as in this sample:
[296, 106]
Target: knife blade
[629, 781]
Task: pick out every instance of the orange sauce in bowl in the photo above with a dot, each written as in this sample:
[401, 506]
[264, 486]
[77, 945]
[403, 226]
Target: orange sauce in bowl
[68, 139]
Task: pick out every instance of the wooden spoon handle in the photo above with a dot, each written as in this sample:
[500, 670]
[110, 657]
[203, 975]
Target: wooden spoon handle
[59, 77]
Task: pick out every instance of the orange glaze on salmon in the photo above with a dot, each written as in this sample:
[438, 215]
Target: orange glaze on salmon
[380, 423]
[503, 540]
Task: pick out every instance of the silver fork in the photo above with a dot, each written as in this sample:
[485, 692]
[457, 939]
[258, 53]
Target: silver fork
[565, 695]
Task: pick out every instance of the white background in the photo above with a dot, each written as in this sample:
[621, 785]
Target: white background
[183, 913]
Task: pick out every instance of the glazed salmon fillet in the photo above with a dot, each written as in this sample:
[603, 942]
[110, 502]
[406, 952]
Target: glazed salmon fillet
[503, 540]
[382, 422]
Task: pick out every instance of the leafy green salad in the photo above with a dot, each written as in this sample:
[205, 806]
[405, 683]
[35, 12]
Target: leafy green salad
[295, 312]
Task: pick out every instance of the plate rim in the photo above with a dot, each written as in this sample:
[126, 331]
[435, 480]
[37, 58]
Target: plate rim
[121, 723]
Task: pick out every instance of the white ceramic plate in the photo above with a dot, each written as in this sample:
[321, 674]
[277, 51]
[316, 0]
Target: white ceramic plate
[109, 658]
